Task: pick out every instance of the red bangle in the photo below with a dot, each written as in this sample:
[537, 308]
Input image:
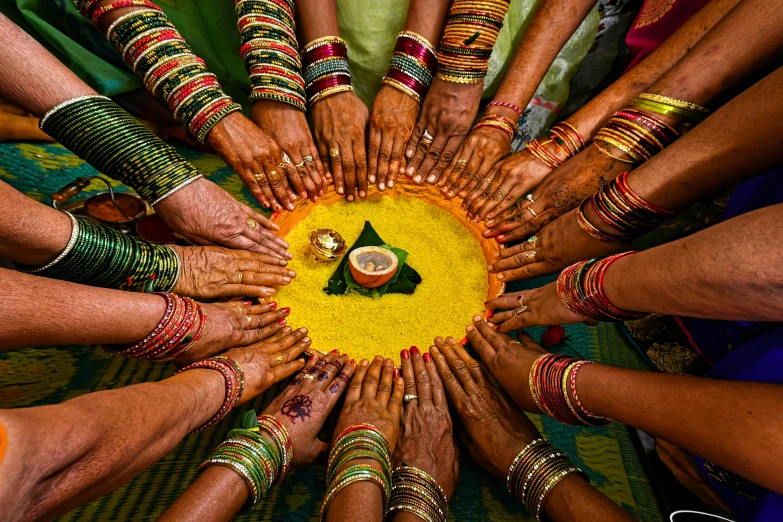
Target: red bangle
[234, 377]
[515, 108]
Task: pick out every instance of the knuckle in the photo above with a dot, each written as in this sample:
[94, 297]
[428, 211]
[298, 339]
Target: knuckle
[383, 387]
[459, 366]
[423, 377]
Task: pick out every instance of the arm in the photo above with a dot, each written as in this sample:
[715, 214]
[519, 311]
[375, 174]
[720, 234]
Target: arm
[339, 117]
[394, 111]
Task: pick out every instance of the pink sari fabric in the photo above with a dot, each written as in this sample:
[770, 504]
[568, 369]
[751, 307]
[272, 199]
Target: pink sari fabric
[657, 21]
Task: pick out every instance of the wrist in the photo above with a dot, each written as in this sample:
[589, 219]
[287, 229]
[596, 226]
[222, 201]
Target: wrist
[504, 111]
[204, 396]
[612, 285]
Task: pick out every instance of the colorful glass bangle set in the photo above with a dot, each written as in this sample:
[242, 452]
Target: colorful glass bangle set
[498, 121]
[100, 256]
[551, 377]
[413, 65]
[258, 459]
[326, 69]
[580, 288]
[358, 441]
[417, 492]
[100, 132]
[620, 207]
[234, 379]
[535, 471]
[180, 328]
[564, 143]
[154, 49]
[471, 30]
[270, 51]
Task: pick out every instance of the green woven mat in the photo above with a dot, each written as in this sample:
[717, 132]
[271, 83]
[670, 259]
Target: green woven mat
[51, 375]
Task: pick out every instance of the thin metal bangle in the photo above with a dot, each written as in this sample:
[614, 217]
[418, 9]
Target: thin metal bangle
[68, 247]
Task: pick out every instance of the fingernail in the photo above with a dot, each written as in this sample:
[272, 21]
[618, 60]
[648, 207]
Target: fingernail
[315, 199]
[520, 298]
[451, 193]
[500, 237]
[435, 350]
[285, 310]
[470, 328]
[501, 277]
[463, 207]
[365, 362]
[335, 352]
[340, 190]
[321, 193]
[291, 273]
[247, 303]
[306, 340]
[371, 179]
[313, 357]
[417, 179]
[287, 329]
[476, 318]
[382, 186]
[273, 305]
[405, 354]
[281, 322]
[362, 194]
[489, 267]
[391, 183]
[409, 153]
[490, 215]
[286, 279]
[431, 178]
[427, 357]
[303, 329]
[290, 206]
[414, 349]
[396, 373]
[352, 362]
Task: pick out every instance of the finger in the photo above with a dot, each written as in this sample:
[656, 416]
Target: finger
[384, 157]
[323, 157]
[396, 160]
[528, 228]
[477, 183]
[387, 380]
[264, 264]
[470, 363]
[286, 370]
[527, 271]
[279, 184]
[395, 401]
[360, 163]
[459, 171]
[254, 187]
[482, 173]
[260, 334]
[355, 388]
[341, 380]
[280, 334]
[413, 164]
[266, 238]
[296, 381]
[519, 258]
[495, 339]
[295, 179]
[407, 372]
[314, 171]
[286, 341]
[450, 382]
[506, 301]
[338, 170]
[499, 189]
[418, 130]
[513, 191]
[485, 350]
[349, 170]
[293, 351]
[260, 321]
[373, 151]
[446, 155]
[423, 387]
[331, 369]
[268, 199]
[457, 367]
[430, 159]
[436, 385]
[502, 317]
[371, 380]
[319, 165]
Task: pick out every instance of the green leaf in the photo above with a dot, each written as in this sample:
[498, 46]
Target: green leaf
[249, 420]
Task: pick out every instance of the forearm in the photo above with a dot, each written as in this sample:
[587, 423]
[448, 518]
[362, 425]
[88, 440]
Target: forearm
[32, 234]
[38, 311]
[597, 111]
[553, 24]
[427, 18]
[724, 272]
[736, 425]
[360, 501]
[59, 457]
[574, 499]
[316, 18]
[217, 495]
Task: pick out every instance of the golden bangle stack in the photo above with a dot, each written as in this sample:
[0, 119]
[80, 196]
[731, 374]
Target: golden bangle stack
[665, 105]
[416, 491]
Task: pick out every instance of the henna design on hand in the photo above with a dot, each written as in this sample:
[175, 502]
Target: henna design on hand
[341, 378]
[297, 407]
[323, 376]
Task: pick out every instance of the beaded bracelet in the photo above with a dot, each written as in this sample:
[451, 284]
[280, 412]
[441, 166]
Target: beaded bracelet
[498, 121]
[270, 51]
[416, 491]
[508, 105]
[468, 38]
[326, 69]
[580, 288]
[97, 130]
[148, 42]
[101, 256]
[234, 378]
[412, 66]
[535, 471]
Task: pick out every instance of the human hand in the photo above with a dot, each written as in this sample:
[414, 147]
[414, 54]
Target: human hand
[476, 158]
[339, 122]
[556, 246]
[287, 126]
[515, 176]
[270, 361]
[374, 397]
[391, 122]
[206, 214]
[562, 190]
[507, 359]
[446, 115]
[537, 307]
[427, 438]
[213, 272]
[256, 158]
[306, 403]
[234, 324]
[493, 428]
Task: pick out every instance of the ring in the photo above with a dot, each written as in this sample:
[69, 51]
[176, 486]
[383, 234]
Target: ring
[280, 359]
[308, 376]
[529, 197]
[427, 137]
[408, 397]
[307, 159]
[259, 177]
[532, 240]
[489, 181]
[499, 195]
[531, 253]
[515, 342]
[286, 159]
[521, 310]
[533, 212]
[273, 175]
[240, 280]
[282, 166]
[300, 165]
[334, 152]
[251, 223]
[249, 320]
[461, 161]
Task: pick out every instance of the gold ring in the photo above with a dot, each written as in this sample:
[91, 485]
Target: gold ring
[531, 253]
[427, 137]
[259, 177]
[273, 175]
[308, 376]
[251, 223]
[461, 161]
[515, 342]
[280, 359]
[334, 152]
[499, 195]
[521, 310]
[533, 212]
[249, 320]
[240, 279]
[408, 397]
[281, 166]
[489, 181]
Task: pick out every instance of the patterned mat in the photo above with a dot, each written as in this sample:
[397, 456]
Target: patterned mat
[50, 375]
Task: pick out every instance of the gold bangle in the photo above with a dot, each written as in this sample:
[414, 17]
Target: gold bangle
[674, 102]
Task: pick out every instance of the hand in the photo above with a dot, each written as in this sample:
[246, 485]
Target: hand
[493, 428]
[508, 360]
[562, 190]
[447, 115]
[391, 122]
[206, 214]
[427, 438]
[477, 156]
[374, 397]
[256, 158]
[306, 403]
[339, 122]
[556, 246]
[515, 176]
[213, 272]
[234, 324]
[270, 361]
[287, 126]
[537, 307]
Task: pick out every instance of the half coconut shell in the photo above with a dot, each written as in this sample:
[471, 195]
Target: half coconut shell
[372, 266]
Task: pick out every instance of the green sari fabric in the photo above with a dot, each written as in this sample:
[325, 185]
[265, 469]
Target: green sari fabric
[209, 26]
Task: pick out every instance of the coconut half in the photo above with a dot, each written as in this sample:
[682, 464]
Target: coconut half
[372, 266]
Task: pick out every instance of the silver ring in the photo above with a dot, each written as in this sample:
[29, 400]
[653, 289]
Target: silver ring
[532, 240]
[307, 159]
[408, 397]
[308, 376]
[286, 159]
[529, 197]
[427, 137]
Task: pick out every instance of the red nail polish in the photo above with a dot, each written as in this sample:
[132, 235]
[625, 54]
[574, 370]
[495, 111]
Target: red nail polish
[273, 305]
[396, 373]
[281, 322]
[247, 303]
[313, 357]
[427, 357]
[352, 362]
[335, 352]
[414, 349]
[285, 310]
[404, 354]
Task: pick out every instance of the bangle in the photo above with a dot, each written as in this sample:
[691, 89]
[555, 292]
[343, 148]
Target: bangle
[515, 108]
[565, 138]
[413, 65]
[234, 378]
[639, 134]
[416, 491]
[694, 111]
[326, 69]
[498, 121]
[66, 251]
